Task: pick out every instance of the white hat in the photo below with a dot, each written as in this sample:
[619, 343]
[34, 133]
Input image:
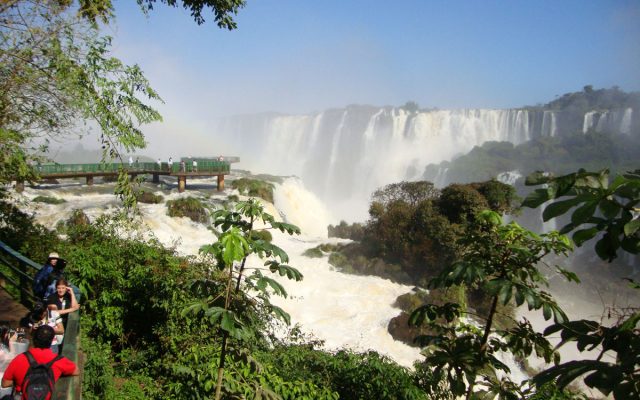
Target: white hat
[53, 255]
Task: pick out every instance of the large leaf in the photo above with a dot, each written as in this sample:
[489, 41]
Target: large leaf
[583, 235]
[536, 198]
[235, 246]
[284, 269]
[559, 207]
[632, 227]
[264, 281]
[584, 212]
[284, 227]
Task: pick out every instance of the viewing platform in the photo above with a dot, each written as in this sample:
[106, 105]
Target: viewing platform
[182, 169]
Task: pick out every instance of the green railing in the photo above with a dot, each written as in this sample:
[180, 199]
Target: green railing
[204, 166]
[18, 271]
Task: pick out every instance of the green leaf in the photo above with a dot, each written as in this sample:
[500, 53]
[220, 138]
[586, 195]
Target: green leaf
[559, 207]
[632, 227]
[609, 208]
[280, 313]
[582, 235]
[546, 311]
[228, 321]
[505, 292]
[284, 227]
[584, 212]
[235, 246]
[278, 289]
[536, 198]
[283, 270]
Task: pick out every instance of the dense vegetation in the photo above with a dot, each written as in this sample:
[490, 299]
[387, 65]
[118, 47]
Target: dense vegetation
[413, 228]
[561, 155]
[145, 337]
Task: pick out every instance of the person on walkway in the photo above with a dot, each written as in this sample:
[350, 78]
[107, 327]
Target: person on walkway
[130, 161]
[41, 353]
[159, 164]
[41, 279]
[38, 317]
[170, 163]
[183, 166]
[195, 165]
[57, 273]
[63, 300]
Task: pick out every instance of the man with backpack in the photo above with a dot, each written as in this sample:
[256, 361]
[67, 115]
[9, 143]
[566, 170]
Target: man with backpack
[35, 372]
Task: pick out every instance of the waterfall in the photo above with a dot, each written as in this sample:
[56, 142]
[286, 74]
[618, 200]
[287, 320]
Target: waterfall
[343, 155]
[611, 121]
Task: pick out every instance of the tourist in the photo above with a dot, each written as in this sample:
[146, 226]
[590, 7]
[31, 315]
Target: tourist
[170, 163]
[56, 273]
[63, 300]
[195, 165]
[183, 166]
[41, 279]
[38, 317]
[7, 335]
[40, 353]
[130, 161]
[159, 164]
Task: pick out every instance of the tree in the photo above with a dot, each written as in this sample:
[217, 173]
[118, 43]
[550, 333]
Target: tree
[460, 203]
[609, 208]
[600, 206]
[501, 261]
[55, 74]
[235, 244]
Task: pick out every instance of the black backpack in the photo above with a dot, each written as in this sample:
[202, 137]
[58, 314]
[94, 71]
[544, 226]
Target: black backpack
[39, 380]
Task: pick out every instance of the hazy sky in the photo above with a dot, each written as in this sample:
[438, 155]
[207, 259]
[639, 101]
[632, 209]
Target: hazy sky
[297, 56]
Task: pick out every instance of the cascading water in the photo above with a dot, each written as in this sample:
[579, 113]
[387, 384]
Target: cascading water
[343, 155]
[343, 310]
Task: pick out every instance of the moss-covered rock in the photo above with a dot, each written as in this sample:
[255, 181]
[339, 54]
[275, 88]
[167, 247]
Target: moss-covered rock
[254, 188]
[189, 207]
[313, 253]
[78, 218]
[262, 235]
[149, 198]
[48, 200]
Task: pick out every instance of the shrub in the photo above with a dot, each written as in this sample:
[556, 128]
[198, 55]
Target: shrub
[149, 198]
[189, 207]
[313, 253]
[48, 200]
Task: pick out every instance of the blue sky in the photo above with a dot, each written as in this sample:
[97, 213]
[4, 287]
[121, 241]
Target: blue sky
[300, 56]
[303, 56]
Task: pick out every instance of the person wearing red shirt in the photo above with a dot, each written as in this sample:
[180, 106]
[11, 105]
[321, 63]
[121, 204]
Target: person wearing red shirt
[17, 369]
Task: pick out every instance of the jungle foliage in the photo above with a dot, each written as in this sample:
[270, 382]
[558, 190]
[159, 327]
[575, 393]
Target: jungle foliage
[560, 155]
[153, 320]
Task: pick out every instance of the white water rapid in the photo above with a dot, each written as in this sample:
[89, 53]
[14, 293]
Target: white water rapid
[343, 310]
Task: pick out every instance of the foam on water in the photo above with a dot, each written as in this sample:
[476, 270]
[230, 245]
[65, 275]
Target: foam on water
[343, 310]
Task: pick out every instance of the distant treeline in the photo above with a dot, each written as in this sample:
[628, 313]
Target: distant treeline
[562, 154]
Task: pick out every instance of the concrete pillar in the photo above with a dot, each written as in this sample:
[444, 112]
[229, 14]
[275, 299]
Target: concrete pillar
[89, 180]
[19, 186]
[182, 183]
[220, 183]
[156, 178]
